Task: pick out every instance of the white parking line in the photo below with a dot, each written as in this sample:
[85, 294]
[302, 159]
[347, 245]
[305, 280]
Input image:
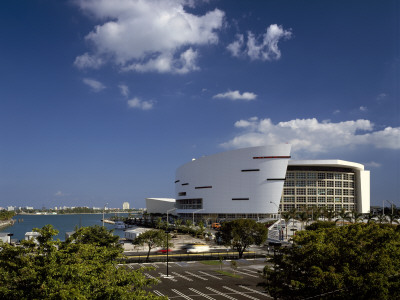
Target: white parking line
[155, 266]
[254, 291]
[201, 294]
[251, 271]
[240, 293]
[152, 277]
[220, 293]
[158, 293]
[167, 277]
[216, 277]
[184, 277]
[247, 274]
[182, 295]
[190, 273]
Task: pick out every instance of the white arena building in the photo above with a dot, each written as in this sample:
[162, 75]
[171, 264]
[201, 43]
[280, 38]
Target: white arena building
[255, 182]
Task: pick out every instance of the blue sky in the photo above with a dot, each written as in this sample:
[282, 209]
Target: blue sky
[102, 100]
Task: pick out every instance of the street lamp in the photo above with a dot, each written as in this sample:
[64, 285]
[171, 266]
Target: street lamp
[167, 232]
[103, 212]
[196, 212]
[392, 204]
[279, 214]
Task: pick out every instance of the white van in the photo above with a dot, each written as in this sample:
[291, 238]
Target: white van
[197, 248]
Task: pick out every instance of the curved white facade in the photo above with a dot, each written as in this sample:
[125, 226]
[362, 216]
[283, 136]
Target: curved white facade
[243, 181]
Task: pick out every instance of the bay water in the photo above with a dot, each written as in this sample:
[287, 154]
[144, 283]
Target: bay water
[63, 223]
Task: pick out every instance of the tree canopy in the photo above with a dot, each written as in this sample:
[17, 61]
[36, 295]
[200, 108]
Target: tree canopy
[359, 261]
[241, 233]
[153, 238]
[81, 269]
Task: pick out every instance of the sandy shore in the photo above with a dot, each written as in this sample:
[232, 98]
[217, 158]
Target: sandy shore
[4, 224]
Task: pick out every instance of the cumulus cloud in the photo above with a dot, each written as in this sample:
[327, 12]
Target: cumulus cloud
[140, 104]
[235, 95]
[95, 85]
[85, 61]
[363, 108]
[148, 35]
[263, 47]
[313, 136]
[124, 89]
[373, 164]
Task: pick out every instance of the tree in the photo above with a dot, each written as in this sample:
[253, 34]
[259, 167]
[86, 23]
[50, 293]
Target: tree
[152, 238]
[344, 215]
[356, 216]
[66, 270]
[241, 233]
[359, 261]
[286, 216]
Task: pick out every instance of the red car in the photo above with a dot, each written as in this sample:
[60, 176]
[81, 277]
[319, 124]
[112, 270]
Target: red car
[164, 250]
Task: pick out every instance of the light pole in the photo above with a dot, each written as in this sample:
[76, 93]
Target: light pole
[103, 212]
[167, 232]
[196, 212]
[279, 214]
[392, 204]
[172, 209]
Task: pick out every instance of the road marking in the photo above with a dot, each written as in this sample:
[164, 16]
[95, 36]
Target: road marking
[254, 291]
[247, 274]
[155, 266]
[142, 265]
[251, 271]
[190, 273]
[152, 277]
[220, 293]
[158, 293]
[180, 294]
[216, 277]
[184, 277]
[168, 277]
[201, 294]
[240, 293]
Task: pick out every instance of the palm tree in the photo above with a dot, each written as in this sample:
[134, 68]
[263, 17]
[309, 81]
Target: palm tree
[293, 215]
[369, 217]
[357, 216]
[303, 216]
[286, 216]
[329, 214]
[344, 215]
[178, 223]
[392, 218]
[382, 219]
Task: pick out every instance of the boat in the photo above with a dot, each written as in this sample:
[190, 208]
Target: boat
[119, 225]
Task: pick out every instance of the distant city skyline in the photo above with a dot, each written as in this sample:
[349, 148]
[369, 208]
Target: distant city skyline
[102, 100]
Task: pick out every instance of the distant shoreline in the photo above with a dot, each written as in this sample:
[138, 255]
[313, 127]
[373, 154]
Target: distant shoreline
[4, 224]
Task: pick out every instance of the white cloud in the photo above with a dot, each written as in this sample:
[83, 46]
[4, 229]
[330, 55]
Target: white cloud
[264, 47]
[59, 194]
[140, 104]
[381, 97]
[363, 108]
[149, 35]
[336, 112]
[95, 85]
[124, 89]
[235, 95]
[85, 61]
[313, 136]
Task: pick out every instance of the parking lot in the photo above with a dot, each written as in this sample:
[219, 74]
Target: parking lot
[195, 280]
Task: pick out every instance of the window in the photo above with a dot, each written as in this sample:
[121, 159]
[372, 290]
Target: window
[287, 207]
[338, 184]
[185, 183]
[329, 199]
[321, 175]
[189, 203]
[289, 183]
[288, 191]
[345, 176]
[351, 177]
[311, 191]
[338, 176]
[289, 175]
[240, 198]
[338, 199]
[300, 183]
[329, 183]
[300, 191]
[351, 200]
[251, 170]
[301, 199]
[345, 199]
[321, 183]
[329, 175]
[177, 181]
[338, 207]
[321, 192]
[288, 199]
[351, 192]
[182, 194]
[311, 183]
[345, 184]
[203, 187]
[311, 175]
[351, 184]
[329, 191]
[321, 199]
[338, 192]
[346, 206]
[312, 199]
[301, 175]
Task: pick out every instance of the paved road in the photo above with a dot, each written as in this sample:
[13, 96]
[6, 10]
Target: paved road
[194, 280]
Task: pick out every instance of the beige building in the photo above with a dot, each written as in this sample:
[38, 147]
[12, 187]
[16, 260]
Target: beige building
[125, 205]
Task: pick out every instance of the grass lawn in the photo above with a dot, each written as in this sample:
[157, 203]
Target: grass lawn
[228, 274]
[210, 262]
